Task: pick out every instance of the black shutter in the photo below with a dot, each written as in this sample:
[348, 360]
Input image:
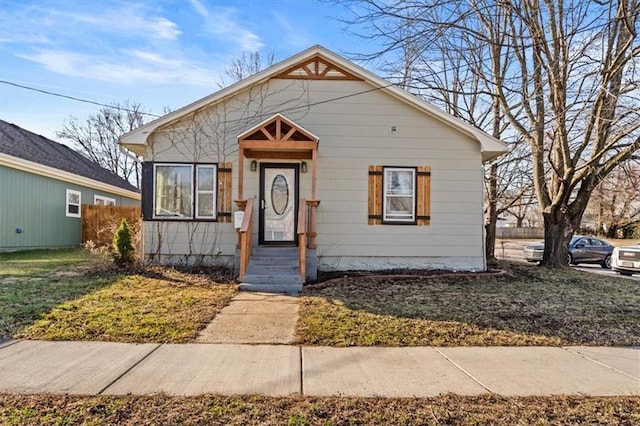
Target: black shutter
[147, 190]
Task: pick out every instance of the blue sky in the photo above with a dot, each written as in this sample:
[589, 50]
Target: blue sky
[157, 53]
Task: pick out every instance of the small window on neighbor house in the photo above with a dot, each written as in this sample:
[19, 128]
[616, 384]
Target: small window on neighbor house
[206, 191]
[103, 201]
[73, 203]
[173, 191]
[399, 195]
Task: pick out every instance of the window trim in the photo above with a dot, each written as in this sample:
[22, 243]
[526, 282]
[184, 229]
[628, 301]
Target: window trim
[106, 200]
[67, 203]
[194, 216]
[213, 192]
[396, 221]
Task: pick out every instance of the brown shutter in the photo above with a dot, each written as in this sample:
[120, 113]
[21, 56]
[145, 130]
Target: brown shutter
[147, 190]
[224, 192]
[424, 196]
[375, 195]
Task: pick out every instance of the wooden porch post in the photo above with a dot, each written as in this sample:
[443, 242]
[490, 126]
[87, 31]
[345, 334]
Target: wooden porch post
[240, 173]
[314, 171]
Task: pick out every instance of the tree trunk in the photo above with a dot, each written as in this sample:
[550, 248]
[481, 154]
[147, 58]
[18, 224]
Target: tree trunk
[558, 231]
[492, 216]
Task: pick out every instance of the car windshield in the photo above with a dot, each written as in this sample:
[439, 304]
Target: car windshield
[574, 239]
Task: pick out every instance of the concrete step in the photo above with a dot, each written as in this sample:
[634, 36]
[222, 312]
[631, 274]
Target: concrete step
[278, 261]
[293, 289]
[267, 278]
[273, 268]
[276, 252]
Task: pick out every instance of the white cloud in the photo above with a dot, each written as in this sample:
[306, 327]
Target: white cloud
[224, 23]
[134, 66]
[130, 20]
[292, 34]
[200, 8]
[154, 58]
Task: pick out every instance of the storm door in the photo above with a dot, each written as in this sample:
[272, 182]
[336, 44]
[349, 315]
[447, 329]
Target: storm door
[278, 204]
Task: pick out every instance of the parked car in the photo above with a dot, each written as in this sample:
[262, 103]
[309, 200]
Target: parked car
[581, 250]
[626, 260]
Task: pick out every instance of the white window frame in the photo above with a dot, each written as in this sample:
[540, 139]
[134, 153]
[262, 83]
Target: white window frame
[67, 203]
[213, 192]
[106, 201]
[155, 187]
[410, 218]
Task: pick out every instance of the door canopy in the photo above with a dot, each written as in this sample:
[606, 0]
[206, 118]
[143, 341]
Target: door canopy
[278, 138]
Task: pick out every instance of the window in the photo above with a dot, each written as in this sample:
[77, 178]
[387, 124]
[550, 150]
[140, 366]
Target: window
[173, 190]
[399, 196]
[179, 193]
[73, 203]
[206, 192]
[103, 201]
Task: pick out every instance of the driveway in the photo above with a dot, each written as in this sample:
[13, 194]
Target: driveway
[512, 250]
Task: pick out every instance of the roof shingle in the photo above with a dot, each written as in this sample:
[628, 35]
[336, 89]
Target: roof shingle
[21, 143]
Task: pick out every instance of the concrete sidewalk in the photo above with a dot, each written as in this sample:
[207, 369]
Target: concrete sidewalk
[118, 368]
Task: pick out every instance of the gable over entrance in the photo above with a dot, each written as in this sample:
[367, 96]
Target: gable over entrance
[278, 138]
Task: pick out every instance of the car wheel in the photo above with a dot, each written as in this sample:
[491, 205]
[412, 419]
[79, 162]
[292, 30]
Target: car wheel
[625, 273]
[606, 263]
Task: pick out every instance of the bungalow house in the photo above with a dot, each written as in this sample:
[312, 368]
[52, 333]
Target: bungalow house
[313, 163]
[42, 186]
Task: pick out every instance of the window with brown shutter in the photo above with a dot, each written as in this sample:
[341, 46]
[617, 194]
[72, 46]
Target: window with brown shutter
[399, 195]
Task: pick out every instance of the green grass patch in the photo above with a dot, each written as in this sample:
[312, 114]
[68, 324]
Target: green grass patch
[530, 305]
[254, 410]
[33, 263]
[33, 282]
[164, 306]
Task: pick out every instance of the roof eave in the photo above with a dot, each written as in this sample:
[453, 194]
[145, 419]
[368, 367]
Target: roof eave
[53, 173]
[490, 146]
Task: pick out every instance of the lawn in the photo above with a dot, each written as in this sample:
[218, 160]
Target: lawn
[530, 305]
[256, 410]
[33, 282]
[70, 295]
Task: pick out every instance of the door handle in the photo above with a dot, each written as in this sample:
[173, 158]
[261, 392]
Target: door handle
[262, 204]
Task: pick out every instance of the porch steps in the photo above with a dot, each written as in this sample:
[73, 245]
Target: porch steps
[273, 270]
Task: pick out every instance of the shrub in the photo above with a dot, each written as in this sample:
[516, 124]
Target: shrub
[122, 246]
[631, 231]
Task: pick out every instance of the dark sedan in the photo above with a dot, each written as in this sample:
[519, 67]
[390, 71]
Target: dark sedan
[581, 250]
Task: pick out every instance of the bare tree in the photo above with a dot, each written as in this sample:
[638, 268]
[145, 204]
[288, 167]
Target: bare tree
[449, 74]
[246, 65]
[564, 76]
[615, 203]
[97, 138]
[210, 134]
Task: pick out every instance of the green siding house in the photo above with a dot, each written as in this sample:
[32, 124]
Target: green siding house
[42, 187]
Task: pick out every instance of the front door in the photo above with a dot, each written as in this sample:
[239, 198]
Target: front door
[278, 204]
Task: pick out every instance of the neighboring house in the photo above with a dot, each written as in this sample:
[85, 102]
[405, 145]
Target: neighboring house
[389, 180]
[42, 187]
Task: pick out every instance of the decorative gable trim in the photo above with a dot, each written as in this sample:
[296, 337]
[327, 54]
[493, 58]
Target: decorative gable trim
[317, 68]
[278, 128]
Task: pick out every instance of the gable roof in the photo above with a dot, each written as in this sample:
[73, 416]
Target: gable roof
[20, 148]
[297, 66]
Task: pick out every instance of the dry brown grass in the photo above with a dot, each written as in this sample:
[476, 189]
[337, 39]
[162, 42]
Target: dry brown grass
[157, 305]
[255, 410]
[530, 305]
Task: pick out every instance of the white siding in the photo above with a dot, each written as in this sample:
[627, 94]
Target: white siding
[355, 132]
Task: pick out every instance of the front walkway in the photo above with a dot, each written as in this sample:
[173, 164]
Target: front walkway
[119, 368]
[254, 318]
